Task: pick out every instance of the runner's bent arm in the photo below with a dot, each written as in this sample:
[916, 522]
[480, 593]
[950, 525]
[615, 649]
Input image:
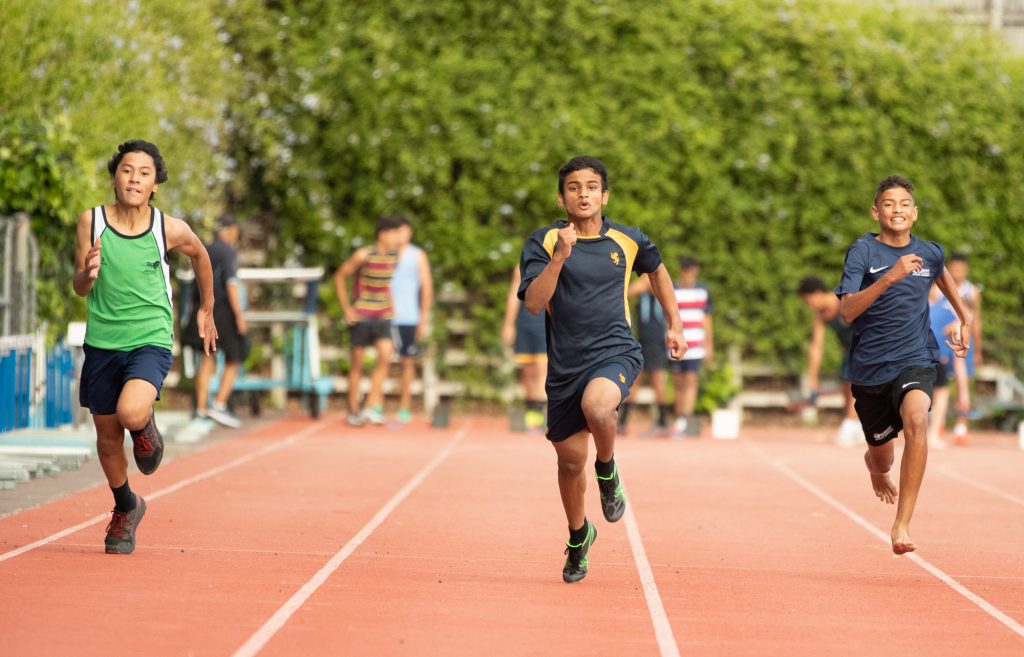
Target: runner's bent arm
[180, 237]
[664, 292]
[87, 256]
[348, 268]
[961, 342]
[852, 305]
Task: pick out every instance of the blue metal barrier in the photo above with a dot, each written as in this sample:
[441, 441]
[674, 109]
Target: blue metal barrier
[15, 384]
[60, 374]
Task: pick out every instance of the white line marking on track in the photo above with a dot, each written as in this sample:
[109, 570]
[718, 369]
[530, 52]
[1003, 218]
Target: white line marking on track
[662, 628]
[263, 635]
[167, 491]
[985, 605]
[964, 479]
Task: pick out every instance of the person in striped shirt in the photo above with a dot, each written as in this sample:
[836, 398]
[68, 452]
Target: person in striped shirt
[368, 313]
[695, 310]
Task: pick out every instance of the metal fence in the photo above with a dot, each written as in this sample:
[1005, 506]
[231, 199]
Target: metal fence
[19, 271]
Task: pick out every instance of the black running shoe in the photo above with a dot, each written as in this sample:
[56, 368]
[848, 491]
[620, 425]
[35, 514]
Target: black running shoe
[576, 562]
[121, 530]
[148, 448]
[613, 498]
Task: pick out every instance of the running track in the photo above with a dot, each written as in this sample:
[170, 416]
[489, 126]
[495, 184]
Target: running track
[310, 538]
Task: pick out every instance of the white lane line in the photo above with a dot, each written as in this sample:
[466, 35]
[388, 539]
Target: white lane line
[662, 628]
[212, 472]
[964, 479]
[985, 605]
[265, 633]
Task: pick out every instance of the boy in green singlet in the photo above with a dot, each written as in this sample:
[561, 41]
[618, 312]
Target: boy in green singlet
[121, 267]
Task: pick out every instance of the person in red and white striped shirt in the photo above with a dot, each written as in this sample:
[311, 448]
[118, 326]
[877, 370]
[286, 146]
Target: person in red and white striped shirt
[695, 309]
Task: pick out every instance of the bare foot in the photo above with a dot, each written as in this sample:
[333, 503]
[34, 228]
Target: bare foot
[901, 543]
[885, 489]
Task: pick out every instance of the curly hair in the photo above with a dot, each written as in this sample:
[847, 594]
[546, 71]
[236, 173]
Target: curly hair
[139, 146]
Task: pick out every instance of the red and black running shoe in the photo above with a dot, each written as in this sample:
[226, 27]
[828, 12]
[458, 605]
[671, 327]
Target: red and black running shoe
[121, 530]
[148, 448]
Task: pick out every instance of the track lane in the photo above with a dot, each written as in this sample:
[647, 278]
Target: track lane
[254, 534]
[756, 563]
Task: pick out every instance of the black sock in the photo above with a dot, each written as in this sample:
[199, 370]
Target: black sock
[664, 413]
[624, 413]
[577, 536]
[124, 499]
[604, 469]
[535, 405]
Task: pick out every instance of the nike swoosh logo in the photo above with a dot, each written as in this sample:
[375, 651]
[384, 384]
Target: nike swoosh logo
[875, 270]
[909, 384]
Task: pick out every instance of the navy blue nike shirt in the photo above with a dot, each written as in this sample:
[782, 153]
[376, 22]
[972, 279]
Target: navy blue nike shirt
[894, 333]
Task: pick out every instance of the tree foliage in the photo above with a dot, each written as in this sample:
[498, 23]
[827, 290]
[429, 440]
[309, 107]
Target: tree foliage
[750, 134]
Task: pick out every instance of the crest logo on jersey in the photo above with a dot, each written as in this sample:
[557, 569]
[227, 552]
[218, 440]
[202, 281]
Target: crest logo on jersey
[615, 257]
[622, 377]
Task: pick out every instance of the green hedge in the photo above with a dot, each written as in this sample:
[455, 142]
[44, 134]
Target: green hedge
[748, 133]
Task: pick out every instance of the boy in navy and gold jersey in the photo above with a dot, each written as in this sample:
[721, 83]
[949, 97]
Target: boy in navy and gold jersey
[884, 295]
[578, 271]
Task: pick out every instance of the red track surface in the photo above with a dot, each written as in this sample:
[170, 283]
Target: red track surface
[433, 542]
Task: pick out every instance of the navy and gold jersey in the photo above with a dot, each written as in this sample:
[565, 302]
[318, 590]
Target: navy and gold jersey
[894, 333]
[587, 320]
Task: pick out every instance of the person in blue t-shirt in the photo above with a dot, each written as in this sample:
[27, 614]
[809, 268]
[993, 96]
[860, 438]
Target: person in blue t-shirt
[893, 355]
[579, 270]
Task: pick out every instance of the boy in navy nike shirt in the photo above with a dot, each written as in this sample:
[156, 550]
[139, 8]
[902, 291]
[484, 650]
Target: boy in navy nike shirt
[578, 270]
[884, 295]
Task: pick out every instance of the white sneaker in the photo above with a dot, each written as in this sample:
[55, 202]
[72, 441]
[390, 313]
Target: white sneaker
[850, 433]
[679, 428]
[195, 430]
[222, 415]
[372, 415]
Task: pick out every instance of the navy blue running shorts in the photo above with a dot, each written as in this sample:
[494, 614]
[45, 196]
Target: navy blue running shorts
[878, 407]
[565, 415]
[404, 337]
[530, 340]
[105, 372]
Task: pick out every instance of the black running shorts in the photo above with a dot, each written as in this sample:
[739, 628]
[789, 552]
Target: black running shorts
[878, 407]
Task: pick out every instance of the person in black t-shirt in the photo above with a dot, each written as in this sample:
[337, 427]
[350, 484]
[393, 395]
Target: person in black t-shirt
[231, 324]
[893, 355]
[578, 271]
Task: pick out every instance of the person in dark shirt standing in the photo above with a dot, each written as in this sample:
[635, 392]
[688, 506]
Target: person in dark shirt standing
[231, 325]
[884, 295]
[579, 270]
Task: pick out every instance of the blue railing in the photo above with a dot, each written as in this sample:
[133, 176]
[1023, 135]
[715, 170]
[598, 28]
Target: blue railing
[20, 406]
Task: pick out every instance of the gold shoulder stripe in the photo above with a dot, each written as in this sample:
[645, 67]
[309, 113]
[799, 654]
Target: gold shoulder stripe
[630, 249]
[550, 239]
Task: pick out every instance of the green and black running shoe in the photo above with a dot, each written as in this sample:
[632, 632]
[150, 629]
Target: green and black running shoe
[578, 558]
[613, 498]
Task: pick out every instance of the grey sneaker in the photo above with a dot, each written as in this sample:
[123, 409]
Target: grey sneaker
[221, 415]
[148, 448]
[354, 420]
[578, 556]
[613, 498]
[121, 530]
